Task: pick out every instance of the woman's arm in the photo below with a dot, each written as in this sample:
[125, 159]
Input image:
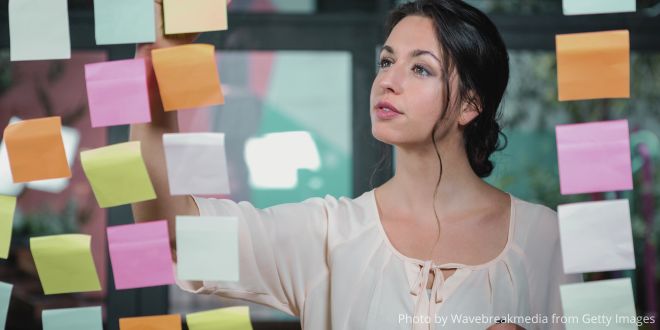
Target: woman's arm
[150, 135]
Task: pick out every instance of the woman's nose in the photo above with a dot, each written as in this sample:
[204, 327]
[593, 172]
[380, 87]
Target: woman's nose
[392, 79]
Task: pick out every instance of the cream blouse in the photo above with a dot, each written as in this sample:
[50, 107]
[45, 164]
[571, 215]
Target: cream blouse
[330, 262]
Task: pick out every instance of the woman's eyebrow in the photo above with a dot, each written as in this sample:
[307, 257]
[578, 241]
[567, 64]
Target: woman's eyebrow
[414, 53]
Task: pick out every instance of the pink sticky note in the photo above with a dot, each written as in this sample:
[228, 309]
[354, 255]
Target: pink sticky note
[140, 255]
[117, 92]
[594, 157]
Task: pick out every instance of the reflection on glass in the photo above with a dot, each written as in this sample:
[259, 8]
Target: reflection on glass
[287, 121]
[274, 160]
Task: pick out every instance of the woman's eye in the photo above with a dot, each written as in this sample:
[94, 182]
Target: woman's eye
[420, 70]
[384, 63]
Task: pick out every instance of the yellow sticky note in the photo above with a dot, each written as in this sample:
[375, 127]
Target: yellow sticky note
[7, 207]
[593, 65]
[187, 76]
[64, 263]
[229, 318]
[117, 174]
[185, 16]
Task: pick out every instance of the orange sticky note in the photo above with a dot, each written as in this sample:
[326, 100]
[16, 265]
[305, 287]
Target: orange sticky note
[593, 65]
[187, 76]
[160, 322]
[186, 16]
[36, 150]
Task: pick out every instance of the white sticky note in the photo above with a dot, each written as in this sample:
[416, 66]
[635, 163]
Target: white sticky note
[5, 297]
[39, 30]
[196, 163]
[200, 237]
[596, 236]
[585, 7]
[607, 304]
[71, 139]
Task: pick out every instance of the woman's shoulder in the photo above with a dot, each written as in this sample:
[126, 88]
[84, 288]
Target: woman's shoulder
[536, 223]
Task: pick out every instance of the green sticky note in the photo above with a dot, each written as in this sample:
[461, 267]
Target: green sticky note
[124, 21]
[64, 263]
[229, 318]
[199, 237]
[39, 30]
[83, 318]
[117, 174]
[598, 305]
[7, 208]
[5, 297]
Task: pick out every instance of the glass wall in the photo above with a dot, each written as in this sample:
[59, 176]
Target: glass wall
[287, 120]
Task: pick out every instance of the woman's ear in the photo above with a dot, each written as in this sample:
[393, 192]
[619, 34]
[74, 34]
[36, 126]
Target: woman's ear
[469, 110]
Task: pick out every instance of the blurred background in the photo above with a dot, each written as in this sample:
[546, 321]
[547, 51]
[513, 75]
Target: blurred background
[296, 76]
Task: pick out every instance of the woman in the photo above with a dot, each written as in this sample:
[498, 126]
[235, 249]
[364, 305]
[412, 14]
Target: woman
[435, 246]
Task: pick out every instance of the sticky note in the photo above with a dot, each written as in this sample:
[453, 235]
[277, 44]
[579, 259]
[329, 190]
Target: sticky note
[5, 298]
[117, 174]
[81, 318]
[39, 30]
[141, 255]
[36, 150]
[594, 157]
[117, 92]
[199, 237]
[7, 185]
[596, 236]
[124, 21]
[64, 263]
[187, 76]
[582, 7]
[234, 318]
[7, 208]
[196, 163]
[611, 299]
[71, 139]
[185, 16]
[593, 65]
[160, 322]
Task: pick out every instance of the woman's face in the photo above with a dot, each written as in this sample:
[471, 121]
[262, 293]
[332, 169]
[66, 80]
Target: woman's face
[408, 94]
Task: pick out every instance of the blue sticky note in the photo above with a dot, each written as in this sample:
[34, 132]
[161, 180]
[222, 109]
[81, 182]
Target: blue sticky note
[82, 318]
[586, 7]
[199, 237]
[124, 21]
[5, 295]
[39, 30]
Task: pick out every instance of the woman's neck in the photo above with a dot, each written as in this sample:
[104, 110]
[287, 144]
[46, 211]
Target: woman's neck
[417, 170]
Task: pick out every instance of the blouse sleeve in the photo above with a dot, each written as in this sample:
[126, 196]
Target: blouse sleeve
[547, 272]
[282, 252]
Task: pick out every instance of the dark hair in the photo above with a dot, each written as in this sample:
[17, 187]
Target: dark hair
[471, 45]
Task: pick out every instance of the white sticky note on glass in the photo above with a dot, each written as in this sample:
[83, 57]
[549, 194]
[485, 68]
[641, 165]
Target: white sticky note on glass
[611, 299]
[585, 7]
[196, 163]
[79, 318]
[39, 30]
[71, 139]
[5, 297]
[596, 236]
[200, 237]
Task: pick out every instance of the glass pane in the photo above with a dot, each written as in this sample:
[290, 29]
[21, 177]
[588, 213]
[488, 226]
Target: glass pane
[287, 121]
[274, 6]
[534, 7]
[35, 89]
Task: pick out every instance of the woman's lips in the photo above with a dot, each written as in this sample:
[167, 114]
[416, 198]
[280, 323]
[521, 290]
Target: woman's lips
[385, 110]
